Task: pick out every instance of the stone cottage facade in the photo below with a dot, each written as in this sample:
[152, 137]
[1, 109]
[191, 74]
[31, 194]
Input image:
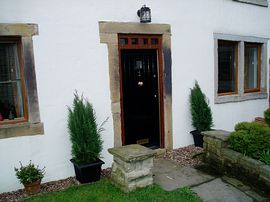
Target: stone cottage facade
[138, 74]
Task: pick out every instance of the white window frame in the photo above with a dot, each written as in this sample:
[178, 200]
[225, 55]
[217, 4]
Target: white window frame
[241, 95]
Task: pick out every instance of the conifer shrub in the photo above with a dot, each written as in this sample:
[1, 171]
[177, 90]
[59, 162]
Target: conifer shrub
[200, 110]
[250, 139]
[85, 135]
[267, 116]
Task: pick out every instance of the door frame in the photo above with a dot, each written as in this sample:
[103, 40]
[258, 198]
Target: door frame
[148, 46]
[108, 33]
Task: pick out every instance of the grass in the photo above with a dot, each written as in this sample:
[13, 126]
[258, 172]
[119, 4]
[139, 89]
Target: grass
[104, 191]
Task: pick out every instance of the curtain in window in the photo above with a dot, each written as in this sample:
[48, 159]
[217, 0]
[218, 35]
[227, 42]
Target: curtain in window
[11, 98]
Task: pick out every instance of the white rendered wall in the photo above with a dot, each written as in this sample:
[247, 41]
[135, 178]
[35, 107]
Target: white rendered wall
[69, 56]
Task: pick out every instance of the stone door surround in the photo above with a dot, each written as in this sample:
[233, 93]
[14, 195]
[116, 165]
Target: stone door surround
[108, 32]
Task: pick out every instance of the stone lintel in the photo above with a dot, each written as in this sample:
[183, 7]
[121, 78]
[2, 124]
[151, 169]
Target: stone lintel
[217, 134]
[131, 153]
[18, 29]
[132, 27]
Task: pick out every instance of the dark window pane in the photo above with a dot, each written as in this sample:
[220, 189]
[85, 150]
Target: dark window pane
[251, 66]
[123, 41]
[154, 41]
[11, 99]
[144, 41]
[227, 66]
[134, 41]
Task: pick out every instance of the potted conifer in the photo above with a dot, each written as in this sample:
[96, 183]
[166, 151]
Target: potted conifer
[85, 136]
[201, 114]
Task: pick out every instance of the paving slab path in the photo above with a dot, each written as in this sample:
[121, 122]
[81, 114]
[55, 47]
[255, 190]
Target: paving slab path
[170, 176]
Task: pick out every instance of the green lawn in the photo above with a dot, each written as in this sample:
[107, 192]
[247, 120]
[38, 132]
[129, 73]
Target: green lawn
[105, 191]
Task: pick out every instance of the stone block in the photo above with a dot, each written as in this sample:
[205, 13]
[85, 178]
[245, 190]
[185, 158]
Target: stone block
[231, 156]
[265, 175]
[127, 167]
[132, 166]
[236, 183]
[265, 171]
[132, 152]
[217, 134]
[251, 165]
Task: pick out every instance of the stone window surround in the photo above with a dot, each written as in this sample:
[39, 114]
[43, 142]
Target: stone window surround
[263, 3]
[109, 34]
[33, 126]
[241, 96]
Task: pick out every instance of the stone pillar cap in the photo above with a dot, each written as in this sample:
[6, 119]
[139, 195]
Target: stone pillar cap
[132, 152]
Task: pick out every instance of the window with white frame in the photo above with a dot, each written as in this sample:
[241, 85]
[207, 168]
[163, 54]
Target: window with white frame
[240, 68]
[19, 109]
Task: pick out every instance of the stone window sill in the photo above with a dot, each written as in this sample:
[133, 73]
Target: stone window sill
[21, 129]
[239, 98]
[255, 2]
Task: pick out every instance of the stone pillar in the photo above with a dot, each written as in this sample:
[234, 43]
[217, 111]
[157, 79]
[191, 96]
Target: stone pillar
[132, 166]
[214, 142]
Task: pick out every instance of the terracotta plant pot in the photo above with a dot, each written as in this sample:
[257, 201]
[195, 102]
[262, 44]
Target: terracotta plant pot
[33, 187]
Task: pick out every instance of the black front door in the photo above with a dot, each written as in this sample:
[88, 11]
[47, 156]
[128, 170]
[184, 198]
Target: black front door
[140, 96]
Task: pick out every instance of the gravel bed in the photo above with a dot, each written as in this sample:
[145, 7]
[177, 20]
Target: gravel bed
[46, 187]
[186, 156]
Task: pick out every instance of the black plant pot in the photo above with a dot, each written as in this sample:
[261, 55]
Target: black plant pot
[88, 172]
[198, 138]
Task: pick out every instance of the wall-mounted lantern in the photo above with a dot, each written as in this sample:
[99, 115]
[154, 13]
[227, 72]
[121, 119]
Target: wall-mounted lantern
[145, 14]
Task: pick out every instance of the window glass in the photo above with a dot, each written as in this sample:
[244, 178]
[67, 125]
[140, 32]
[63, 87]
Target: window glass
[227, 67]
[11, 98]
[251, 66]
[123, 41]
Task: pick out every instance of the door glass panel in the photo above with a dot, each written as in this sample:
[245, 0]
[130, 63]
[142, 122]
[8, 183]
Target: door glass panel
[134, 41]
[154, 41]
[123, 41]
[144, 41]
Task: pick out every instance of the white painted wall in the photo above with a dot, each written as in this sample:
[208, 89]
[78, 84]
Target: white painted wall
[68, 56]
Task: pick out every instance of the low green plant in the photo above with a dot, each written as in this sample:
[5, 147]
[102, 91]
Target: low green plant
[85, 135]
[252, 128]
[200, 110]
[29, 173]
[265, 157]
[251, 139]
[267, 116]
[105, 191]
